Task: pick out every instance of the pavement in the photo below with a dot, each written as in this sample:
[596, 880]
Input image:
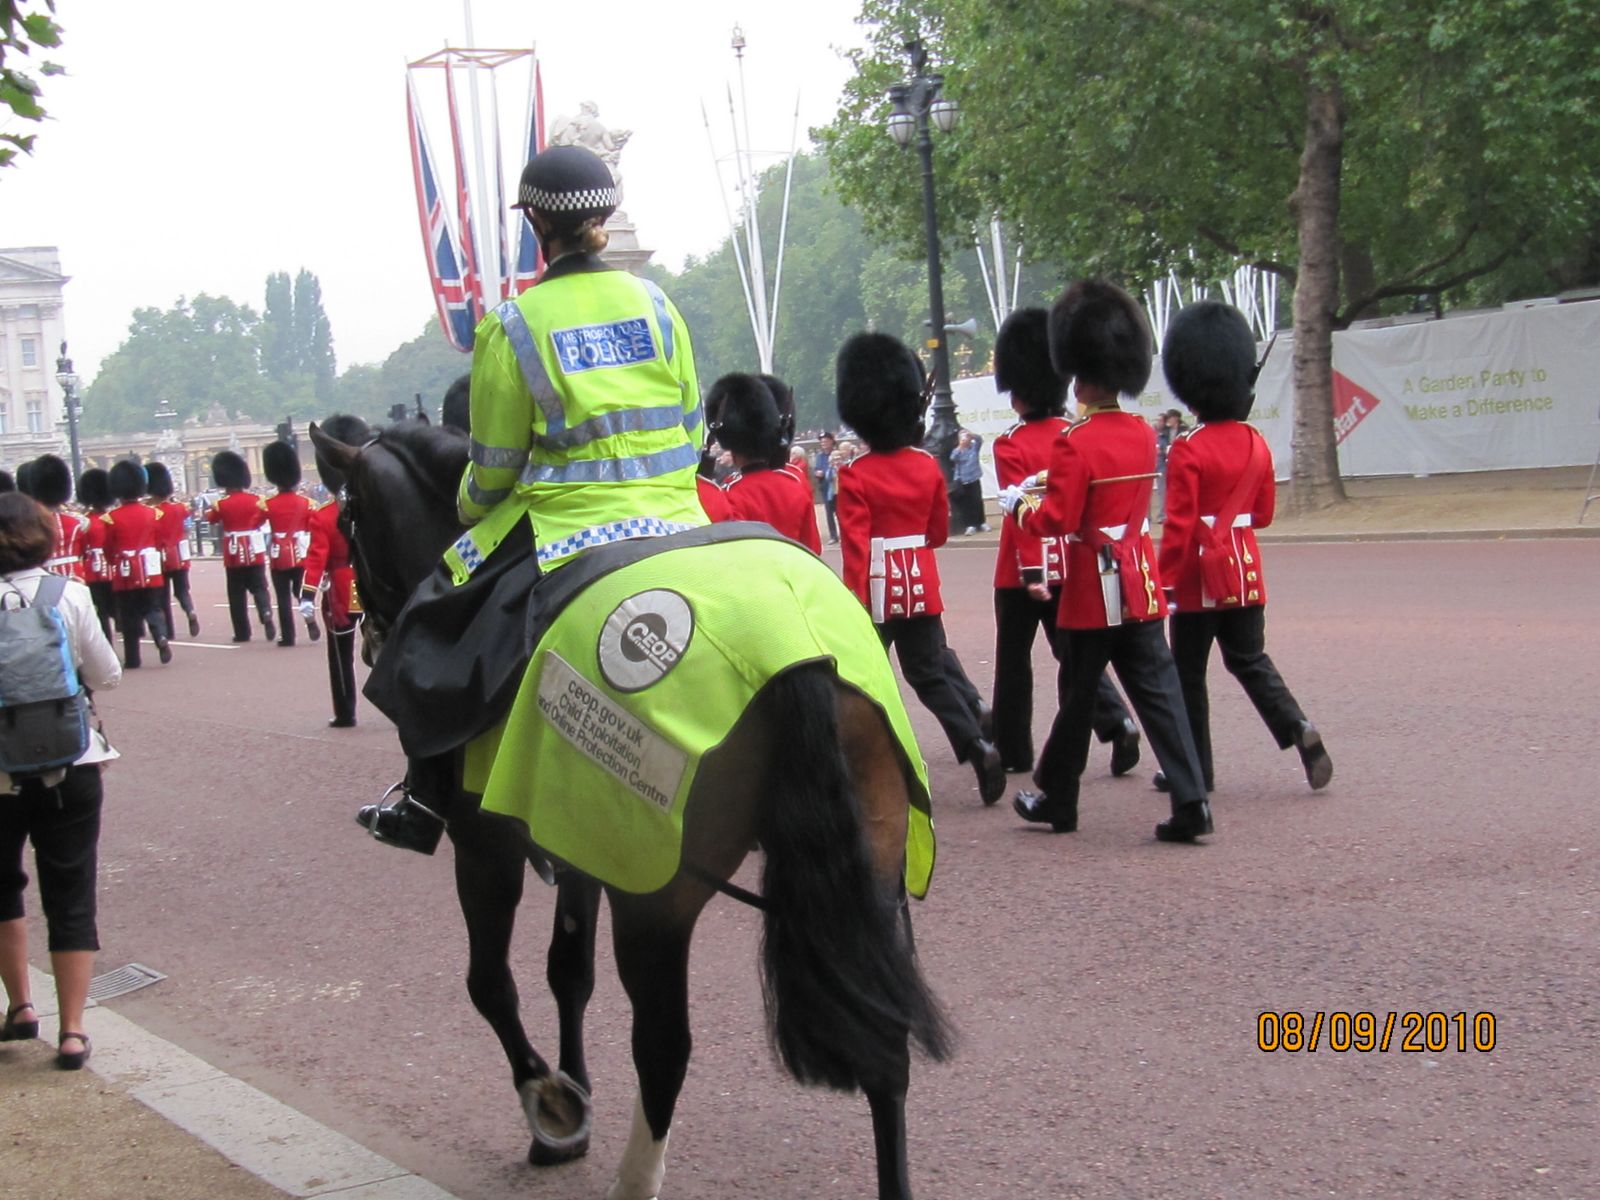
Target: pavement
[147, 1119]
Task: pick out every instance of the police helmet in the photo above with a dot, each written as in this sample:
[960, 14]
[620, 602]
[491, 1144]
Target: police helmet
[567, 185]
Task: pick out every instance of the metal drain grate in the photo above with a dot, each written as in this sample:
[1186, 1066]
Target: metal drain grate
[122, 981]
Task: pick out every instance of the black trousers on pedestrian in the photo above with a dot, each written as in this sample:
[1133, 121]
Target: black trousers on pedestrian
[829, 511]
[244, 583]
[1144, 666]
[1242, 635]
[287, 586]
[342, 672]
[63, 823]
[1018, 617]
[966, 504]
[176, 583]
[137, 607]
[935, 674]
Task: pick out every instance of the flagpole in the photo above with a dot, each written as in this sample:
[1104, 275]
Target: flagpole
[758, 266]
[738, 255]
[783, 229]
[481, 226]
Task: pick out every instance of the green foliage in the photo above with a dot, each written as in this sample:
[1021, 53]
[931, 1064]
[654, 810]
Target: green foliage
[19, 91]
[426, 365]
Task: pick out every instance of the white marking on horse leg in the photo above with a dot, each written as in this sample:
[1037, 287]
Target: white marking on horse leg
[644, 1162]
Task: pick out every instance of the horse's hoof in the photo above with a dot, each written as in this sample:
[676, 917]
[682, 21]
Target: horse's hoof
[559, 1114]
[541, 1155]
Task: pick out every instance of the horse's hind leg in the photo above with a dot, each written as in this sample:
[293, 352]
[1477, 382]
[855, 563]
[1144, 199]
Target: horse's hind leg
[569, 967]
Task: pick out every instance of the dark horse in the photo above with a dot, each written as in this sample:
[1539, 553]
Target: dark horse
[811, 773]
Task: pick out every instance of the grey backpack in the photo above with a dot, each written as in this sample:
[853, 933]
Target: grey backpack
[44, 710]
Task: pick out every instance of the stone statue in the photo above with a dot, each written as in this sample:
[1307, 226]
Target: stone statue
[587, 130]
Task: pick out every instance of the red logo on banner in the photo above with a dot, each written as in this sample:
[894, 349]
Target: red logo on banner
[1351, 404]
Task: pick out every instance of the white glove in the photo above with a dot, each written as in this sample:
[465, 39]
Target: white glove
[1031, 481]
[307, 610]
[1009, 498]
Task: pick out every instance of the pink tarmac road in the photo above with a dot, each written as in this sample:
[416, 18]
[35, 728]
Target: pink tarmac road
[1108, 989]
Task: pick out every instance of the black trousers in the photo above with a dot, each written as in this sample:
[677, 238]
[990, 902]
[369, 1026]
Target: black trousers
[63, 823]
[245, 582]
[1242, 635]
[829, 511]
[1018, 617]
[135, 608]
[176, 583]
[342, 672]
[935, 674]
[1144, 666]
[105, 605]
[287, 586]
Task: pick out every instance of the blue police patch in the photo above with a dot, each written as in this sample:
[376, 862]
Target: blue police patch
[589, 347]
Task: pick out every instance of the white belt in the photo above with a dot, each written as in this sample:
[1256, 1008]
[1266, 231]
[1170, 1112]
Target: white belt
[64, 560]
[1242, 521]
[914, 541]
[1113, 532]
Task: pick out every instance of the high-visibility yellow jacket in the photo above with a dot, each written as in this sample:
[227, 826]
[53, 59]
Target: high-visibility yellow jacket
[585, 415]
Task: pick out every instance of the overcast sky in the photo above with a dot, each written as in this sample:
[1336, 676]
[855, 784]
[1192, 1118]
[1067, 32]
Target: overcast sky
[197, 145]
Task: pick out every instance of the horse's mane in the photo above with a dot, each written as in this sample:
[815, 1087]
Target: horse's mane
[435, 454]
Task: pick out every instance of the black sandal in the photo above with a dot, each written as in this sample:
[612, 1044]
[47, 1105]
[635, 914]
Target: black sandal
[19, 1031]
[72, 1062]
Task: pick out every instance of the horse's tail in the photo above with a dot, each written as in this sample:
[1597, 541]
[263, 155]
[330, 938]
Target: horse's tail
[839, 973]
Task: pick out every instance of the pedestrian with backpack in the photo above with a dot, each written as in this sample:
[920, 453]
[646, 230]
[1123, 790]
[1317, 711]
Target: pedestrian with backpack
[52, 651]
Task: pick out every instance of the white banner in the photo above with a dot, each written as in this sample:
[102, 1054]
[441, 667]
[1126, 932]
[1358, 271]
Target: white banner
[1490, 392]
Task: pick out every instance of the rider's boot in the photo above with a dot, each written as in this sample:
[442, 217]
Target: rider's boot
[417, 820]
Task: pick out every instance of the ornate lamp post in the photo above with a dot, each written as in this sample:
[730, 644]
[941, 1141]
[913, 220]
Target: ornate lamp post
[913, 104]
[68, 379]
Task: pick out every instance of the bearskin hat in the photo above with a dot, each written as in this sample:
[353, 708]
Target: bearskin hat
[1099, 336]
[47, 479]
[94, 488]
[783, 395]
[7, 482]
[230, 471]
[159, 480]
[281, 465]
[127, 480]
[341, 427]
[1209, 359]
[744, 416]
[1022, 364]
[456, 411]
[879, 384]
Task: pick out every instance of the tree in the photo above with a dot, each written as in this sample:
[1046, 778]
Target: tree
[279, 355]
[19, 91]
[313, 335]
[1372, 152]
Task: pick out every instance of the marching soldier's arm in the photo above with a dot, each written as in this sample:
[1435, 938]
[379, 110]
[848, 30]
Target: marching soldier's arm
[1265, 503]
[854, 514]
[1066, 494]
[1183, 510]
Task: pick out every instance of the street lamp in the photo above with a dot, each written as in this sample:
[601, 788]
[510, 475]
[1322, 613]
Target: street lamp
[912, 105]
[68, 379]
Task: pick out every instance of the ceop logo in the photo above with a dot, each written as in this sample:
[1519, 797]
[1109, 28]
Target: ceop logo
[644, 637]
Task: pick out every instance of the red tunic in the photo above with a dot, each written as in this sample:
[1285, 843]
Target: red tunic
[893, 511]
[329, 558]
[1019, 452]
[67, 558]
[174, 539]
[1106, 444]
[95, 567]
[799, 473]
[289, 516]
[1203, 468]
[713, 499]
[758, 493]
[242, 516]
[133, 546]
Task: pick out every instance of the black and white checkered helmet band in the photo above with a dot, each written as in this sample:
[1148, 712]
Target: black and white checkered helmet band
[581, 200]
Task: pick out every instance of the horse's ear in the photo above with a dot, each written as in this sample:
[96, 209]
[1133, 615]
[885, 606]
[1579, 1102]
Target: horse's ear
[332, 451]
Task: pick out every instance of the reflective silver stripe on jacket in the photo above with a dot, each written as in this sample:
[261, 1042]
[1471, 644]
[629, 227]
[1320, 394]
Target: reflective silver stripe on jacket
[693, 418]
[663, 316]
[497, 458]
[614, 470]
[624, 420]
[486, 497]
[533, 372]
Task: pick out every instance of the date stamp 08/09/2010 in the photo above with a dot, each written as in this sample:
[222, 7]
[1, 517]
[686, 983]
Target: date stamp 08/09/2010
[1342, 1032]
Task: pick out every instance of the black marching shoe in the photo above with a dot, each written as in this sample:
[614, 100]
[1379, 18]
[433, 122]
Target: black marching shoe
[194, 625]
[1125, 748]
[986, 721]
[313, 630]
[985, 760]
[164, 651]
[1188, 821]
[1160, 782]
[268, 628]
[1037, 807]
[1319, 767]
[407, 823]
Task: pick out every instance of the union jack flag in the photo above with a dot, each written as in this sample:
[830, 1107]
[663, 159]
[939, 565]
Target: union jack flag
[457, 314]
[472, 275]
[530, 263]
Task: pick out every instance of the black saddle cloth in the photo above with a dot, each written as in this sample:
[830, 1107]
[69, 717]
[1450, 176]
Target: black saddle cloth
[451, 666]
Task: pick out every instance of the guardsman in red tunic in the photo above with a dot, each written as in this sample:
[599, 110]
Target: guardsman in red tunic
[243, 517]
[744, 418]
[328, 573]
[894, 511]
[783, 396]
[1220, 490]
[713, 499]
[94, 493]
[174, 546]
[49, 481]
[288, 522]
[1029, 570]
[133, 548]
[1102, 472]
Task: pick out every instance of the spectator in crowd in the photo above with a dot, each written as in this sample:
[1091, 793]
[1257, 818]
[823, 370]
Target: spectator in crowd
[825, 471]
[1168, 429]
[966, 492]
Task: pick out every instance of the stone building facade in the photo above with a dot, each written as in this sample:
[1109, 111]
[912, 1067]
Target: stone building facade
[32, 329]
